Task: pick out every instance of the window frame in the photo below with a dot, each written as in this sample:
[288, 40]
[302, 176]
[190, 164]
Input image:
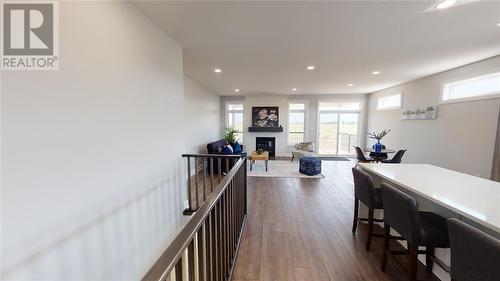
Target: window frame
[400, 94]
[242, 111]
[305, 103]
[476, 76]
[361, 119]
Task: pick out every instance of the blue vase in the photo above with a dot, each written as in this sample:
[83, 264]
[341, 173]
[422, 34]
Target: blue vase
[378, 147]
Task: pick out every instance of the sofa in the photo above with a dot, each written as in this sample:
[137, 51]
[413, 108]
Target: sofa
[214, 148]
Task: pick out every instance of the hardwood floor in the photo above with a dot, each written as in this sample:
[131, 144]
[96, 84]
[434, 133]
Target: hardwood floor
[300, 229]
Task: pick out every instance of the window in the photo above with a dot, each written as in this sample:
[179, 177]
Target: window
[389, 102]
[481, 87]
[235, 119]
[338, 127]
[296, 122]
[340, 105]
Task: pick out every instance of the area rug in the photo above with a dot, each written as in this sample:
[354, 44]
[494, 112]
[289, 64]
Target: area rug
[279, 169]
[334, 158]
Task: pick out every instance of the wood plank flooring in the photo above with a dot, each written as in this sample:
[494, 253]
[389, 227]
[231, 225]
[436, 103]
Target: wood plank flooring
[300, 229]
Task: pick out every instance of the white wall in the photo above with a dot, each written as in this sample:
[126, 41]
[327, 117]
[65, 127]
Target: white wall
[463, 136]
[91, 189]
[201, 117]
[282, 148]
[266, 100]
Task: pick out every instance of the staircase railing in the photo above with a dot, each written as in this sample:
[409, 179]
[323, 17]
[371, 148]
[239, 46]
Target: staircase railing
[207, 246]
[205, 172]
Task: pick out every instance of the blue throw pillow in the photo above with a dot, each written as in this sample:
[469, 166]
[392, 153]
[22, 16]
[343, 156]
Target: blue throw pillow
[236, 148]
[227, 149]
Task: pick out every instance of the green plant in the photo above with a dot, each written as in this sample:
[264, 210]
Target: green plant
[378, 136]
[231, 135]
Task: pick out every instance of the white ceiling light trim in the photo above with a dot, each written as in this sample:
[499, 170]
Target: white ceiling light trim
[350, 85]
[311, 67]
[376, 72]
[294, 89]
[217, 70]
[446, 4]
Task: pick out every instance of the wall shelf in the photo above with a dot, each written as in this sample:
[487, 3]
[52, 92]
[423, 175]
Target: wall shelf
[265, 129]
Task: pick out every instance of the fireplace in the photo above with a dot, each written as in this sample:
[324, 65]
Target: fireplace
[266, 143]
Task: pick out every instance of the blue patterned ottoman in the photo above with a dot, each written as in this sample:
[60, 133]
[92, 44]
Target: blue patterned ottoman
[310, 165]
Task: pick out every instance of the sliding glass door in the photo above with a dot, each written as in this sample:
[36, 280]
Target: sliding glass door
[328, 133]
[338, 126]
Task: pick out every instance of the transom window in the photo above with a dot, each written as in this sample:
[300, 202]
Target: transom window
[485, 86]
[296, 122]
[389, 102]
[235, 119]
[337, 106]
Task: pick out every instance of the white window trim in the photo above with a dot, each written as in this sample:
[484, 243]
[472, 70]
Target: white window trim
[392, 107]
[361, 106]
[492, 95]
[226, 117]
[306, 105]
[361, 119]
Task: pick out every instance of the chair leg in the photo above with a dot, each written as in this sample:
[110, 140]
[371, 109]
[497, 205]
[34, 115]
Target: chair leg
[355, 219]
[428, 260]
[387, 230]
[413, 261]
[370, 229]
[293, 156]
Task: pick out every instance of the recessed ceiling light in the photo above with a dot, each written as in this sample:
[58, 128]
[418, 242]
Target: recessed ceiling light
[311, 67]
[498, 24]
[294, 89]
[446, 4]
[349, 85]
[217, 70]
[376, 72]
[236, 90]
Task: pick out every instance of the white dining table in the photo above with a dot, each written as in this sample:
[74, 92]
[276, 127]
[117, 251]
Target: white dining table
[466, 197]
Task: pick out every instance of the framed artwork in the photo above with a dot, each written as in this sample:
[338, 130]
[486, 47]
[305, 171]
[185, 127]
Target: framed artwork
[424, 113]
[265, 116]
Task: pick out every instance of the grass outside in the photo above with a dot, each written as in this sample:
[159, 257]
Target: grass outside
[328, 137]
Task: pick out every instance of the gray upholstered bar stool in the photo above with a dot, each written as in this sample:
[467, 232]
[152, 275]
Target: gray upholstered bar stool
[371, 197]
[475, 256]
[417, 228]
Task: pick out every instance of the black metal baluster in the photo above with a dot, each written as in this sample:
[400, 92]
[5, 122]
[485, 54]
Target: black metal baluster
[219, 161]
[204, 180]
[201, 246]
[212, 174]
[190, 259]
[178, 270]
[209, 246]
[190, 200]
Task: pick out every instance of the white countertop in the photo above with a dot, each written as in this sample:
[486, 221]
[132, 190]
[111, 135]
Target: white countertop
[473, 197]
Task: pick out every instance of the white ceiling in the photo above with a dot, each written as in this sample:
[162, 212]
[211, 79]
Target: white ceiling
[264, 47]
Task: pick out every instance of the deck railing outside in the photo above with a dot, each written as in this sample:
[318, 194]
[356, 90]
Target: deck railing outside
[206, 248]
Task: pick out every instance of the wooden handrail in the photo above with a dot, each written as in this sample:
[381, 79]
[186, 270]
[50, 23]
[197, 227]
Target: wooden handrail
[172, 256]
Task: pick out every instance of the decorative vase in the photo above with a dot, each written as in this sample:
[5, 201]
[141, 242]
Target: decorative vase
[378, 147]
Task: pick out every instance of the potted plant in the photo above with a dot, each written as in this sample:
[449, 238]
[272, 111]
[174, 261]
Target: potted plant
[231, 136]
[378, 137]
